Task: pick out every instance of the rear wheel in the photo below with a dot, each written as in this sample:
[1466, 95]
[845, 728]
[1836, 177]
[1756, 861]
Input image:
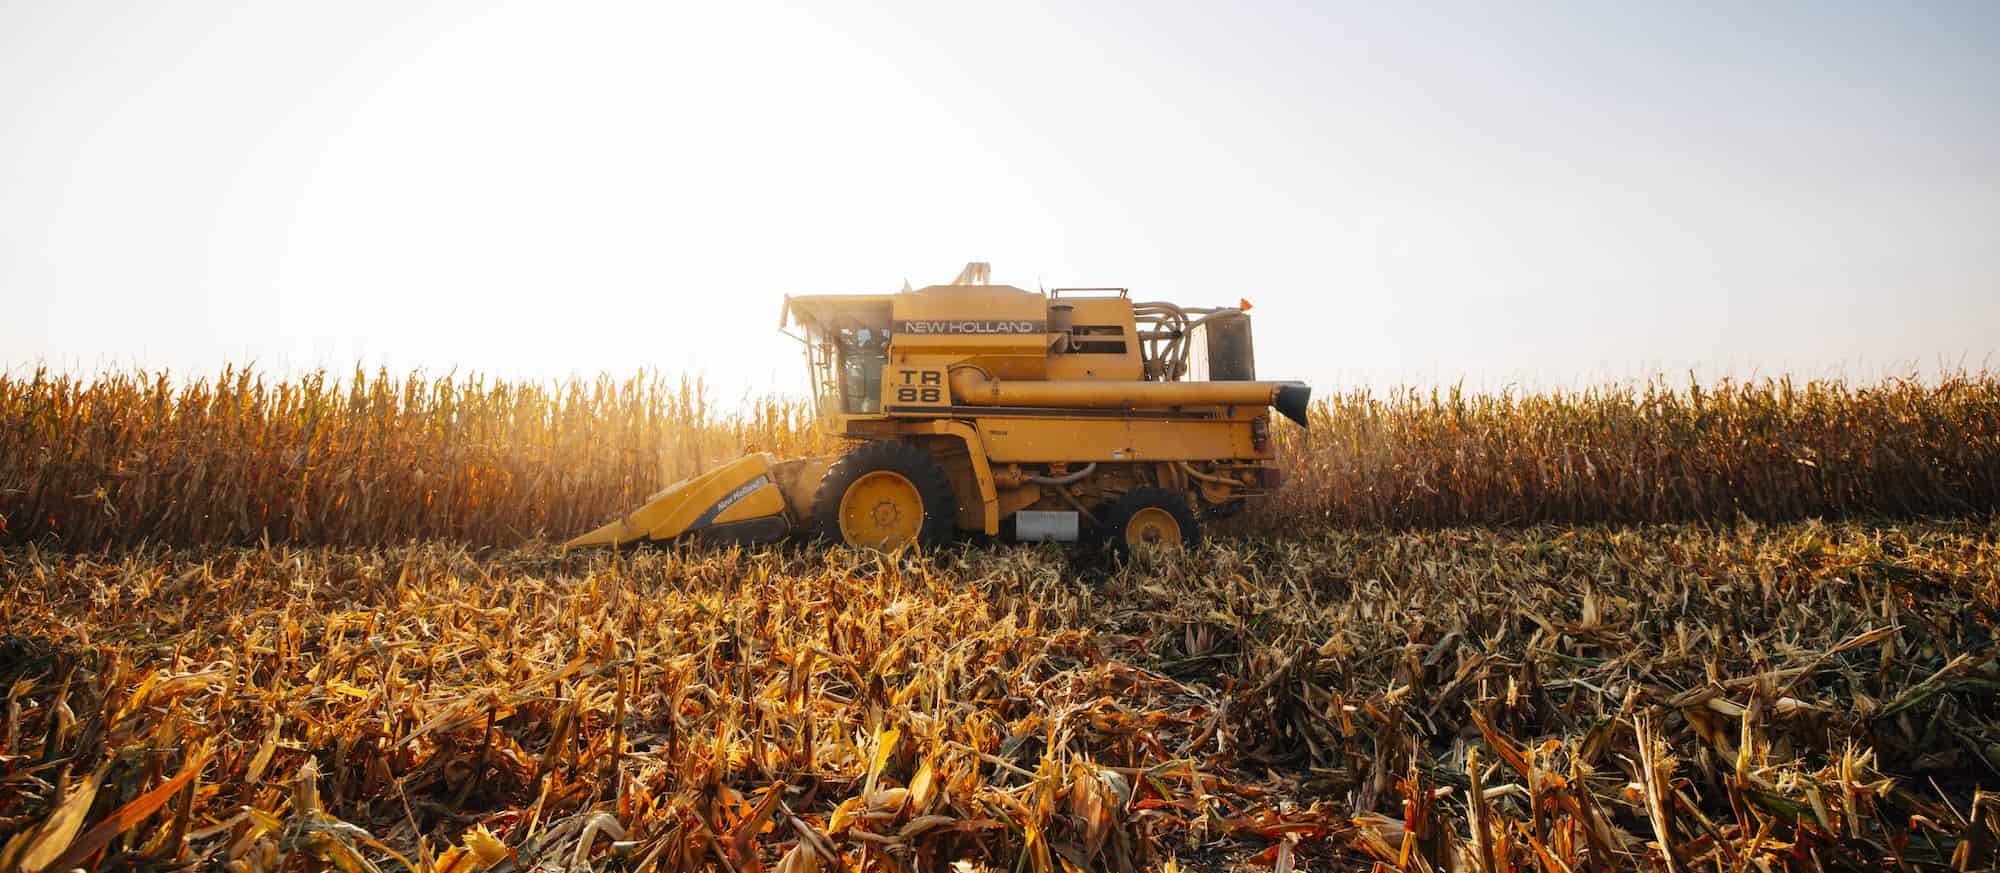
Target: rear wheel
[1150, 518]
[886, 494]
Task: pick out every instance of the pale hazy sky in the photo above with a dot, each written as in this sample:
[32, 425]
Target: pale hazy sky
[1549, 194]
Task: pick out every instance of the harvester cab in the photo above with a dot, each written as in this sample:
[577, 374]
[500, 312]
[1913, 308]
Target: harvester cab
[1074, 414]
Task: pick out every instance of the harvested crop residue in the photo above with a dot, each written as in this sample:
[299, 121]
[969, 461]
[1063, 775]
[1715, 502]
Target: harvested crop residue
[1551, 699]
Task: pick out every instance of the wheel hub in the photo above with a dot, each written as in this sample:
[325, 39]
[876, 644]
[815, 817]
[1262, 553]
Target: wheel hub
[885, 514]
[1153, 526]
[882, 509]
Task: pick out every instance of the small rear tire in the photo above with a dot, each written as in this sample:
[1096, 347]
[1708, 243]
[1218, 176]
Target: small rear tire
[1150, 518]
[886, 494]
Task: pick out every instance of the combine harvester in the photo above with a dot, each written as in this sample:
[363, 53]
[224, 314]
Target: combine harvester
[1078, 414]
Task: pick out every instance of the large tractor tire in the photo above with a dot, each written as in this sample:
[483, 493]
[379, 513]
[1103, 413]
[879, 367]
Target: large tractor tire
[1150, 518]
[885, 494]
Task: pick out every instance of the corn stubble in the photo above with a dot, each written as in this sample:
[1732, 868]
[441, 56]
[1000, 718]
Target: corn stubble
[1799, 696]
[371, 459]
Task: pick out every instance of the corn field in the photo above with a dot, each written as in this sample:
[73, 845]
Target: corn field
[253, 624]
[1771, 450]
[373, 459]
[124, 459]
[1792, 697]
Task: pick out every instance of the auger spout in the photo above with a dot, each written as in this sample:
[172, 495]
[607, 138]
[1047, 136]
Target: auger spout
[973, 386]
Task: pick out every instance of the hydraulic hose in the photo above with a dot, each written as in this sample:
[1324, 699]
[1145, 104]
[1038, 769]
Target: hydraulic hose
[1206, 477]
[1070, 479]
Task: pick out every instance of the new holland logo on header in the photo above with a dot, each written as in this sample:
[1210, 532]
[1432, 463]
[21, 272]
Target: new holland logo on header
[948, 326]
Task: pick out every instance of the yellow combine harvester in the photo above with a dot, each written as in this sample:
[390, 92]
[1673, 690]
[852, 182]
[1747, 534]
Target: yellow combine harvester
[1062, 416]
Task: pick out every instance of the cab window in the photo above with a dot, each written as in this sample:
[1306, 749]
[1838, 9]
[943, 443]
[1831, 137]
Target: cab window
[863, 352]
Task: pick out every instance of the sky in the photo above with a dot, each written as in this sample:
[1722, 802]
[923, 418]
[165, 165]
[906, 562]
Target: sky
[1529, 194]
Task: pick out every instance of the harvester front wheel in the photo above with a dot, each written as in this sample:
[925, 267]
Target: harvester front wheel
[886, 494]
[1151, 518]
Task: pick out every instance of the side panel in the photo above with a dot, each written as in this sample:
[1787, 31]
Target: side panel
[916, 389]
[1078, 440]
[765, 499]
[998, 327]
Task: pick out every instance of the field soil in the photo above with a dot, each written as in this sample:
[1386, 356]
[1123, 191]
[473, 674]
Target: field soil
[1795, 696]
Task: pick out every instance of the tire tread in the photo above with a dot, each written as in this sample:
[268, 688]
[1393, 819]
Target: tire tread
[910, 460]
